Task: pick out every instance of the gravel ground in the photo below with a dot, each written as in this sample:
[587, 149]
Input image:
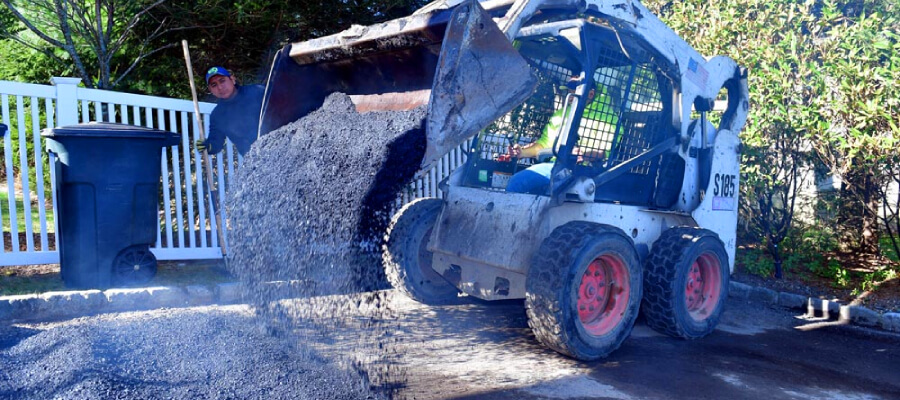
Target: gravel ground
[219, 355]
[477, 350]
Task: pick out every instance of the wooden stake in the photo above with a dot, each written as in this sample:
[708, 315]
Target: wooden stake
[202, 136]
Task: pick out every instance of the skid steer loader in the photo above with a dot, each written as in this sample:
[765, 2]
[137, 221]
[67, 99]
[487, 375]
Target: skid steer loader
[641, 207]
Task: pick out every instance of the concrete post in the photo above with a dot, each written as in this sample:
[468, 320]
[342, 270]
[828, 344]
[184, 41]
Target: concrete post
[66, 100]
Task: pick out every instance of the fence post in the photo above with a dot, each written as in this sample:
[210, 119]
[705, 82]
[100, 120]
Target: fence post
[66, 100]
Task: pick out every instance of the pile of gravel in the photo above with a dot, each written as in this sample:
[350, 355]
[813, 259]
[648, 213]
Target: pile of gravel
[178, 354]
[312, 202]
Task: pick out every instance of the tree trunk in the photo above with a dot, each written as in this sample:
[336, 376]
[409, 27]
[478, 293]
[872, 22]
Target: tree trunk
[858, 212]
[776, 258]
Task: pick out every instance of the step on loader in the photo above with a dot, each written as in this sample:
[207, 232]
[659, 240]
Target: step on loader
[632, 203]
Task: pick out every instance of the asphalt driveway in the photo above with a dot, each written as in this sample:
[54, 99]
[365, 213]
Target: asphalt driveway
[350, 347]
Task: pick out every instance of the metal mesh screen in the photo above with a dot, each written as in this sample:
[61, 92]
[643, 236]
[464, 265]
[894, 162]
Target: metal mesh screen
[619, 122]
[525, 123]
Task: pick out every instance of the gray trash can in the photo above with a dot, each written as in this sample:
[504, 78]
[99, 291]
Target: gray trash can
[107, 181]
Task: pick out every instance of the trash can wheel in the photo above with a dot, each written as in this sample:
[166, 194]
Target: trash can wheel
[134, 265]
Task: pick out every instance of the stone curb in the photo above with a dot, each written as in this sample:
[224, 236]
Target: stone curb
[70, 304]
[815, 307]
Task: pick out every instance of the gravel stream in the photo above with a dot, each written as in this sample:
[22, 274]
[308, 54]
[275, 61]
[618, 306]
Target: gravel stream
[310, 211]
[315, 196]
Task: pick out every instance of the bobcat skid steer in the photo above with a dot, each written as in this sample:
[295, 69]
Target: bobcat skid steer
[639, 209]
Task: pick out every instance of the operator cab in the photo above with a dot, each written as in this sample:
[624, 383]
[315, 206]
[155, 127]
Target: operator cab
[629, 113]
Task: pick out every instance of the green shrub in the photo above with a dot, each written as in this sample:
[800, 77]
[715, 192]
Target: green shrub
[755, 261]
[827, 71]
[833, 271]
[870, 281]
[887, 250]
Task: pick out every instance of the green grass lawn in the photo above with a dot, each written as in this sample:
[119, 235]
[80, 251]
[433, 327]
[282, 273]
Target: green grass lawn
[11, 283]
[16, 280]
[20, 214]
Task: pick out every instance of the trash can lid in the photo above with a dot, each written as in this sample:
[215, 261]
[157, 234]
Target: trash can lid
[106, 130]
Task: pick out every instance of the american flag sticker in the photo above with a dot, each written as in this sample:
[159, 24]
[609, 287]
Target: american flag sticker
[696, 73]
[720, 203]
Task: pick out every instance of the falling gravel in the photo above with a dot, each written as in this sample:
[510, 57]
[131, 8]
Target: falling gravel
[308, 219]
[315, 196]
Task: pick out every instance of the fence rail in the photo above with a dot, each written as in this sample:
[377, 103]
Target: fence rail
[186, 223]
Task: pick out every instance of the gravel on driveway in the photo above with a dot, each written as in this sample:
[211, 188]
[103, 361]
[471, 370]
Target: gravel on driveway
[194, 353]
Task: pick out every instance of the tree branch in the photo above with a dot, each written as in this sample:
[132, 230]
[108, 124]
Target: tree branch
[130, 26]
[43, 51]
[139, 59]
[69, 46]
[31, 26]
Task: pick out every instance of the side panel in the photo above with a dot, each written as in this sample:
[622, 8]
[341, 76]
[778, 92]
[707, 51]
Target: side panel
[490, 227]
[642, 225]
[718, 211]
[485, 239]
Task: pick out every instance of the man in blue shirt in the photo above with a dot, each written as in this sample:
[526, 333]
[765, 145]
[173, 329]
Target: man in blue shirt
[236, 115]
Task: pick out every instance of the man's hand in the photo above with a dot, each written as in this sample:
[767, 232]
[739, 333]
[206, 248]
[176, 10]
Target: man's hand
[201, 145]
[579, 155]
[513, 151]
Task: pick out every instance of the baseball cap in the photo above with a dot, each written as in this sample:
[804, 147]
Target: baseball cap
[216, 71]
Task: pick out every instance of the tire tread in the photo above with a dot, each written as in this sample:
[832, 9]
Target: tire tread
[547, 277]
[396, 250]
[660, 273]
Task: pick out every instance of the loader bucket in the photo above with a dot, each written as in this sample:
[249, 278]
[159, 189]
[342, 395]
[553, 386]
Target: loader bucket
[456, 61]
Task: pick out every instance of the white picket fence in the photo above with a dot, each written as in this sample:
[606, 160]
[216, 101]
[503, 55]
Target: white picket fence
[186, 226]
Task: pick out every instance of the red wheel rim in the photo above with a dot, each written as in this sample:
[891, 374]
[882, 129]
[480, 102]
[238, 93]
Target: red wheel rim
[603, 295]
[703, 287]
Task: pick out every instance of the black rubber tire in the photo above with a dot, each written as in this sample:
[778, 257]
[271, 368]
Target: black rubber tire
[407, 263]
[553, 282]
[666, 276]
[134, 266]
